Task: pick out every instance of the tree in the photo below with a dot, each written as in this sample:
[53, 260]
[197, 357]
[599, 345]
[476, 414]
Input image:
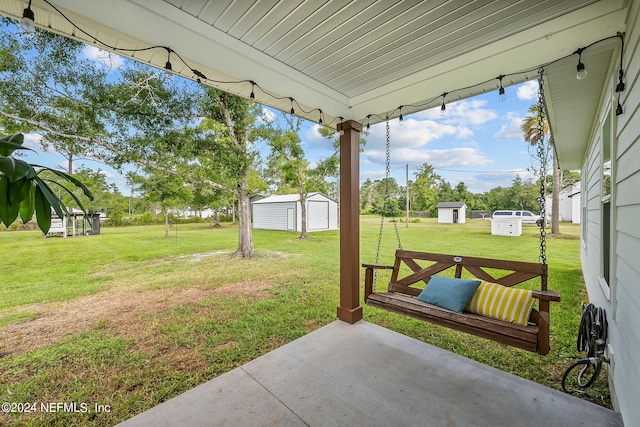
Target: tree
[425, 189]
[232, 134]
[106, 198]
[368, 197]
[169, 191]
[535, 128]
[133, 116]
[46, 80]
[293, 171]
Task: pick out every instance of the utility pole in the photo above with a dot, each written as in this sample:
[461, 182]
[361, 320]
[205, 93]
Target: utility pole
[406, 223]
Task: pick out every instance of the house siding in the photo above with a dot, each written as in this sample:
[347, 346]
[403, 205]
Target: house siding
[622, 301]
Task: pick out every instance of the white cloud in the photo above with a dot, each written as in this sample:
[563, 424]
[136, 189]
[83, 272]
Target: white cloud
[413, 133]
[528, 90]
[510, 129]
[461, 113]
[102, 57]
[109, 175]
[267, 116]
[33, 141]
[440, 158]
[313, 137]
[464, 132]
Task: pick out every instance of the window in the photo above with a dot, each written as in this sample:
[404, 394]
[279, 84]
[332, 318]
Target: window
[606, 203]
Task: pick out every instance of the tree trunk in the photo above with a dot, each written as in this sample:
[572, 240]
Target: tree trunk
[165, 212]
[245, 239]
[216, 218]
[303, 212]
[555, 196]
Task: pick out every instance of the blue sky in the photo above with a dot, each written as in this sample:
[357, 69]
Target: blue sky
[478, 141]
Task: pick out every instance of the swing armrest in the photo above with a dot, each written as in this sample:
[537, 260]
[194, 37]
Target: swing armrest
[548, 295]
[379, 266]
[368, 277]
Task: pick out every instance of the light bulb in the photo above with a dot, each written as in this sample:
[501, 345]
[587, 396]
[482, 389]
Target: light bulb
[27, 21]
[443, 109]
[582, 73]
[167, 70]
[501, 94]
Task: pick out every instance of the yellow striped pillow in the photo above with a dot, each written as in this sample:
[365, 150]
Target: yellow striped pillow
[502, 303]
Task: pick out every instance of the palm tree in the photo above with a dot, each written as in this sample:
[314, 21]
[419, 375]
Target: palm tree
[532, 136]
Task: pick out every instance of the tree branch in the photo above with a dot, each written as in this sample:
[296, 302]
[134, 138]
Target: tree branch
[109, 147]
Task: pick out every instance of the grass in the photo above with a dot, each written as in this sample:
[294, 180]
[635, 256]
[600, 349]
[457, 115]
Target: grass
[129, 319]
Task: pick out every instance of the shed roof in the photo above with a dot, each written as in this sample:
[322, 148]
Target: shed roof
[284, 198]
[451, 204]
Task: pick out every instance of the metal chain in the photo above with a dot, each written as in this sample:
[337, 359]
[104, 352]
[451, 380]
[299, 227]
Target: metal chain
[387, 174]
[542, 155]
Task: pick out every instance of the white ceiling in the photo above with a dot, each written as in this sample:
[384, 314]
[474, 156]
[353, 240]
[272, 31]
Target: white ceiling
[349, 58]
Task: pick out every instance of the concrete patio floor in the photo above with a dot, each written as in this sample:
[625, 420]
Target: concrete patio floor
[365, 375]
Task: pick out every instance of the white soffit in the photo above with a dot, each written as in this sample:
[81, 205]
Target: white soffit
[573, 104]
[348, 58]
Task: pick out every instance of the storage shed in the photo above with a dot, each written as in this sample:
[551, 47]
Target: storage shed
[452, 212]
[284, 212]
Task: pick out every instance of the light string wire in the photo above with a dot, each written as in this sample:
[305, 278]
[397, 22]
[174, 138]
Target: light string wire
[381, 116]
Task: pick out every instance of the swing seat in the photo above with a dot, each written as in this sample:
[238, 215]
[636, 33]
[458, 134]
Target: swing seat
[400, 296]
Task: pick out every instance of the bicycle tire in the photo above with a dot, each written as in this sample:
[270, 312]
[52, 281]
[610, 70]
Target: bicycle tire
[584, 376]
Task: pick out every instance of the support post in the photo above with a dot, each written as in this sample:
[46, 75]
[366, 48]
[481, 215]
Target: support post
[349, 310]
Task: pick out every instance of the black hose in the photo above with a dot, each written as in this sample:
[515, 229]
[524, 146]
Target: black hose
[593, 327]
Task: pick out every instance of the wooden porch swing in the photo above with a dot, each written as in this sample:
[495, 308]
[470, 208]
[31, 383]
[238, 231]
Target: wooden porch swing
[498, 276]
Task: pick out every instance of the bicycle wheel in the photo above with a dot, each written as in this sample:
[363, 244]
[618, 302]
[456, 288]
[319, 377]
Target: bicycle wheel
[580, 375]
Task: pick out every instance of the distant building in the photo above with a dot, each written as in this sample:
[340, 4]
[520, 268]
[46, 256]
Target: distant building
[452, 212]
[284, 212]
[569, 206]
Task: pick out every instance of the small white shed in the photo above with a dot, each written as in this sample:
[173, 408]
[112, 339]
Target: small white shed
[284, 212]
[452, 212]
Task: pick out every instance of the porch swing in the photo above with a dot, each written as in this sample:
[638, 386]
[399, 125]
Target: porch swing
[495, 310]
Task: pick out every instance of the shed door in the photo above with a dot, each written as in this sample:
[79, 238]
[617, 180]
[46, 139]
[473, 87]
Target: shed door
[291, 219]
[318, 215]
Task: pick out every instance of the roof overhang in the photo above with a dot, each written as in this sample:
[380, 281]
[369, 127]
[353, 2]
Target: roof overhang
[365, 58]
[573, 104]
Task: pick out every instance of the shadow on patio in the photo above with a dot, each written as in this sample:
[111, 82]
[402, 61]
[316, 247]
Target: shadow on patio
[363, 374]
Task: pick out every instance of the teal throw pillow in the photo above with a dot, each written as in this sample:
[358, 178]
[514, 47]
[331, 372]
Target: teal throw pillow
[448, 292]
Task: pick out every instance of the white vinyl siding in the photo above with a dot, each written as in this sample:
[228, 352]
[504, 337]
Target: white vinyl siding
[284, 212]
[272, 216]
[623, 308]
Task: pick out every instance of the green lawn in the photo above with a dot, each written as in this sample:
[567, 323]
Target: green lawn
[130, 319]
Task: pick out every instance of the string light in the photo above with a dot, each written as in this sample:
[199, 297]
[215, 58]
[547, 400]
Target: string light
[401, 118]
[199, 74]
[28, 25]
[28, 20]
[582, 72]
[501, 93]
[167, 67]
